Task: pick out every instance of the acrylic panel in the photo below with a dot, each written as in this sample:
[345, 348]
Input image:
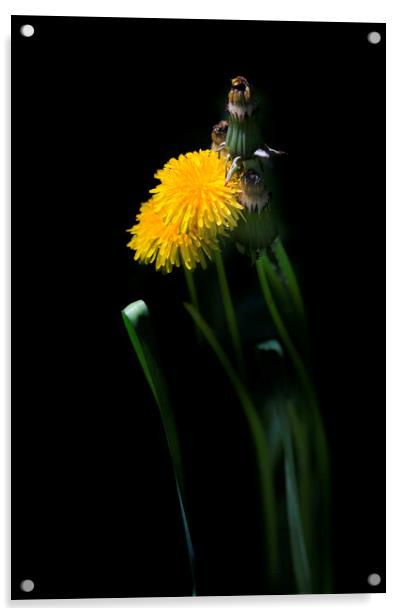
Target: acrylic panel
[197, 237]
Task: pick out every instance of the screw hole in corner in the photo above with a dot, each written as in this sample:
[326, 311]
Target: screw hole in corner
[374, 579]
[27, 585]
[374, 37]
[27, 30]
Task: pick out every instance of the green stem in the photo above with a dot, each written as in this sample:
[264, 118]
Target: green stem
[192, 289]
[280, 291]
[290, 277]
[293, 290]
[229, 312]
[261, 448]
[192, 292]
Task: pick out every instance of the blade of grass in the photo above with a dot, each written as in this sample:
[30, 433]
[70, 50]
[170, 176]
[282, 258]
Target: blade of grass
[229, 311]
[257, 432]
[137, 322]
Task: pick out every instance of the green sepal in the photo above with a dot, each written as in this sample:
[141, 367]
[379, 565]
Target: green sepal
[255, 233]
[243, 137]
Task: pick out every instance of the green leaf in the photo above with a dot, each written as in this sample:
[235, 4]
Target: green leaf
[137, 322]
[257, 432]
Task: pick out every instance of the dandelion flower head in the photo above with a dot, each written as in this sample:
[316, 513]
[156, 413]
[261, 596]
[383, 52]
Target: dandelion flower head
[188, 211]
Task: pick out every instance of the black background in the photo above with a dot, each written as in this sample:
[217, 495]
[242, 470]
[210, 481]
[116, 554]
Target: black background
[98, 106]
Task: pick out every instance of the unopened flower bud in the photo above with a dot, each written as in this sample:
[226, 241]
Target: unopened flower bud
[243, 136]
[241, 98]
[218, 136]
[254, 195]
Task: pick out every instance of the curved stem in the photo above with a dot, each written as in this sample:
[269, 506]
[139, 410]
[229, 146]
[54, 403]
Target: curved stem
[290, 277]
[192, 292]
[192, 289]
[261, 447]
[229, 312]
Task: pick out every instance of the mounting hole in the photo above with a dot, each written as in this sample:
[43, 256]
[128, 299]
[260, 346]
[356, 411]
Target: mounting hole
[27, 585]
[27, 30]
[374, 38]
[374, 579]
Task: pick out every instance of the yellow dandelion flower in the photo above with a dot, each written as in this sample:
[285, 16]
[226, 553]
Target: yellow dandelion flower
[157, 242]
[189, 210]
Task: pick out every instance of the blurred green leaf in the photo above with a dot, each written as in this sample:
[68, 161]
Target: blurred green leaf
[316, 427]
[269, 356]
[305, 473]
[297, 540]
[271, 345]
[276, 410]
